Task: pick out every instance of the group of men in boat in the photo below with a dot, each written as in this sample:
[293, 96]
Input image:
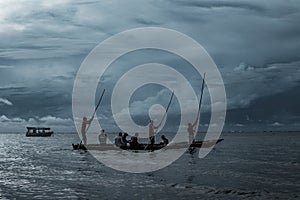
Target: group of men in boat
[121, 139]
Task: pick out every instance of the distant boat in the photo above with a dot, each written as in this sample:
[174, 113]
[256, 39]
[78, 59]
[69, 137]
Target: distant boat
[38, 132]
[146, 147]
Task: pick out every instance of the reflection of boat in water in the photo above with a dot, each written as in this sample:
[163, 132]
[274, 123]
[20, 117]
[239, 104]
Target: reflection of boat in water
[38, 132]
[147, 147]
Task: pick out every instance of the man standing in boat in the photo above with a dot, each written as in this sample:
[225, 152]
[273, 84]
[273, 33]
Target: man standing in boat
[191, 131]
[152, 130]
[84, 128]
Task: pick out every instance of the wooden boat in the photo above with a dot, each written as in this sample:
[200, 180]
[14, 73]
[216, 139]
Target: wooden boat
[149, 147]
[146, 147]
[38, 132]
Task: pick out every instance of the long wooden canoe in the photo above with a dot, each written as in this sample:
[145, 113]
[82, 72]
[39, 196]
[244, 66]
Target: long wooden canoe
[146, 147]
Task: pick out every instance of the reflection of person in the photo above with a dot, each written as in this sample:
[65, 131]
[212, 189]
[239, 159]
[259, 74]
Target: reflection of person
[191, 131]
[83, 128]
[102, 137]
[165, 141]
[152, 130]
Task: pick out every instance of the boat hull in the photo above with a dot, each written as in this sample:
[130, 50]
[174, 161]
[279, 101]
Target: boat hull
[146, 147]
[39, 134]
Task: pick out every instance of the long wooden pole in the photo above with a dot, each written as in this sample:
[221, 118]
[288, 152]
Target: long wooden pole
[167, 108]
[94, 112]
[164, 114]
[202, 89]
[201, 96]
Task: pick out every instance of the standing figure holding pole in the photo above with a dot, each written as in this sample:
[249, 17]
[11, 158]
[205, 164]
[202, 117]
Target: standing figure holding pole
[191, 131]
[152, 128]
[85, 122]
[191, 126]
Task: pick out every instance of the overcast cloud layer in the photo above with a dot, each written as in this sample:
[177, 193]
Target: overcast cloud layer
[255, 44]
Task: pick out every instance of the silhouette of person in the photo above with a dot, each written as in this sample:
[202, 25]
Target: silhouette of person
[124, 139]
[165, 141]
[119, 141]
[191, 131]
[102, 137]
[83, 128]
[134, 141]
[152, 130]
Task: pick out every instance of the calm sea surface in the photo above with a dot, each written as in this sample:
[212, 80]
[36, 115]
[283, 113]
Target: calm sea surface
[243, 166]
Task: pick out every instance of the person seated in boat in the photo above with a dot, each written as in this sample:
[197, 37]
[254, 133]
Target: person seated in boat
[134, 141]
[119, 141]
[84, 128]
[124, 139]
[191, 131]
[164, 141]
[102, 137]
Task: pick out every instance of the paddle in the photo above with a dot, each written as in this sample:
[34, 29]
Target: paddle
[94, 113]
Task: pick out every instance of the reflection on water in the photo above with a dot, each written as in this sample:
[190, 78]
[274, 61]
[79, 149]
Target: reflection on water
[242, 166]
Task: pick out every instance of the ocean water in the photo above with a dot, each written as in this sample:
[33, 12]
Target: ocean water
[243, 166]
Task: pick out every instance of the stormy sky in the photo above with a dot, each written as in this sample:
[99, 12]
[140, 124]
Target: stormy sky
[255, 45]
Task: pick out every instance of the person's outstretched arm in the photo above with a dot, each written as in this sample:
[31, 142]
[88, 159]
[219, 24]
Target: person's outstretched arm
[89, 121]
[156, 127]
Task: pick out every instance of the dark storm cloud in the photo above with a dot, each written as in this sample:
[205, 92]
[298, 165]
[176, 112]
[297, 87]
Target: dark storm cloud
[255, 44]
[279, 110]
[223, 4]
[38, 89]
[147, 22]
[278, 107]
[13, 88]
[266, 34]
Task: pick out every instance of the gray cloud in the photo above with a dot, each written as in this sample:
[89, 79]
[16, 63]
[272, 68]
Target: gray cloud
[269, 35]
[223, 4]
[42, 44]
[147, 22]
[6, 67]
[263, 81]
